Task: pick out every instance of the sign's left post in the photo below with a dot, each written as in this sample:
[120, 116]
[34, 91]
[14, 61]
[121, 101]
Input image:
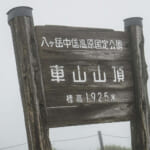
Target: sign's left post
[30, 78]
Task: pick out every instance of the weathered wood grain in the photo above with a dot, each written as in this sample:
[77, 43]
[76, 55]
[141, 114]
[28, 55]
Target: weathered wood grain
[87, 55]
[89, 114]
[88, 59]
[71, 28]
[79, 53]
[89, 68]
[37, 86]
[30, 79]
[89, 96]
[60, 90]
[139, 124]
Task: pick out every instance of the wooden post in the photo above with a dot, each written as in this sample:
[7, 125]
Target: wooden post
[139, 124]
[30, 78]
[100, 140]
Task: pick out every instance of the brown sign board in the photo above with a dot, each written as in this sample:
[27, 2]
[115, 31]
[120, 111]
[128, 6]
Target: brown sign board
[74, 76]
[85, 71]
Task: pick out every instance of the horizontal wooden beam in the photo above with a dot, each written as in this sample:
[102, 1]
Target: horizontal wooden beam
[87, 114]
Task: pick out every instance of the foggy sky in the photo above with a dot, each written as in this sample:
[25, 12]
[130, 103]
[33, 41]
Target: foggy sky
[85, 13]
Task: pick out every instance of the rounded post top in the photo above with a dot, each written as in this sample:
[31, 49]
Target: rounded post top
[133, 21]
[19, 11]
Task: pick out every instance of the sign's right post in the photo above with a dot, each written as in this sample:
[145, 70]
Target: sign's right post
[139, 124]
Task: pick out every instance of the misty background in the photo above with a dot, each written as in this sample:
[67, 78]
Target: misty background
[83, 13]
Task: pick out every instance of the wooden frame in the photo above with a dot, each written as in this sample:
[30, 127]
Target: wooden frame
[33, 91]
[29, 74]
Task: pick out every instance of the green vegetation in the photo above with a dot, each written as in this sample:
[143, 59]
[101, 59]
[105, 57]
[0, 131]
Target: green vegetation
[115, 147]
[111, 147]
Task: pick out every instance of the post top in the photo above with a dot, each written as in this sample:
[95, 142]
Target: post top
[19, 11]
[133, 21]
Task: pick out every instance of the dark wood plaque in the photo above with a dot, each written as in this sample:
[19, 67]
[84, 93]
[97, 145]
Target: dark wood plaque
[83, 67]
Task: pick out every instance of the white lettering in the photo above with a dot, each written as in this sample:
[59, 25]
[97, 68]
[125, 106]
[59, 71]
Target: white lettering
[60, 42]
[99, 76]
[44, 42]
[69, 99]
[57, 73]
[79, 76]
[118, 74]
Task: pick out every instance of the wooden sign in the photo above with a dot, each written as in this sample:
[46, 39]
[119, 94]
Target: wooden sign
[84, 66]
[74, 76]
